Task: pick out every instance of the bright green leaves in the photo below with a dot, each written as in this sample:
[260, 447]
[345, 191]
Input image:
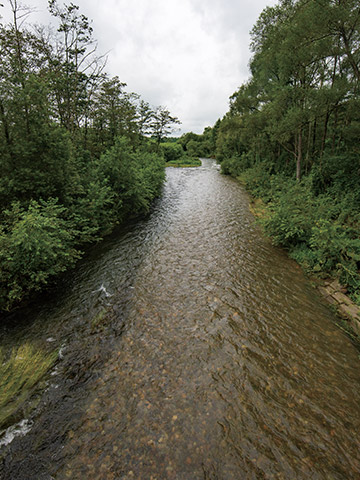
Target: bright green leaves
[35, 244]
[67, 132]
[134, 178]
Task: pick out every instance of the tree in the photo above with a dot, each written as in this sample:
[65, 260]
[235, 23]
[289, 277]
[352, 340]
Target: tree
[304, 82]
[76, 68]
[29, 141]
[144, 117]
[162, 124]
[71, 159]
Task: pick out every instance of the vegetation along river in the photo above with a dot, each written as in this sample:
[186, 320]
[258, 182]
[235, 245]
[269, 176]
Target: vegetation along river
[191, 348]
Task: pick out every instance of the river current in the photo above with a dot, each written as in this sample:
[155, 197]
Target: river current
[191, 348]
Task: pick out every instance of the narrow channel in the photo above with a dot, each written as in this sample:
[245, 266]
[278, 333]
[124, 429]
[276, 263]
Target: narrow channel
[191, 349]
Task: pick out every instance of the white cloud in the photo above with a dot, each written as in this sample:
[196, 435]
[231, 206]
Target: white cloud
[187, 55]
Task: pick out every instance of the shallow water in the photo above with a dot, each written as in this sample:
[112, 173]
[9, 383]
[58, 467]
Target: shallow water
[192, 349]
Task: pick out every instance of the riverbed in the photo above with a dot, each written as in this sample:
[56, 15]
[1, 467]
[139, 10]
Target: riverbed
[191, 348]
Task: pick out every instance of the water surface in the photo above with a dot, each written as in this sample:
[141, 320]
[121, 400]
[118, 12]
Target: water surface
[192, 349]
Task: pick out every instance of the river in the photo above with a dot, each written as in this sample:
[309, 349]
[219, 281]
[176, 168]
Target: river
[191, 348]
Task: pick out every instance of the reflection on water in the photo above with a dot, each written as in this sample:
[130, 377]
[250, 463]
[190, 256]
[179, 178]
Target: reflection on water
[194, 350]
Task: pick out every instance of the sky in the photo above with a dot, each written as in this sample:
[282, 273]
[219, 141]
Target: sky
[186, 55]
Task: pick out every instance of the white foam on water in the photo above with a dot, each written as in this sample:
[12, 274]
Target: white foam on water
[18, 430]
[61, 351]
[55, 372]
[103, 290]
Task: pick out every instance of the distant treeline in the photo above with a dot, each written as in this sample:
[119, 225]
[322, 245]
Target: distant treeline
[292, 132]
[78, 153]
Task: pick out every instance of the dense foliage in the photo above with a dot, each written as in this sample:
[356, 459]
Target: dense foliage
[78, 153]
[200, 145]
[175, 155]
[292, 132]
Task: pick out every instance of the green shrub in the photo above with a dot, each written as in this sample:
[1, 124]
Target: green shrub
[152, 166]
[35, 245]
[40, 239]
[337, 175]
[236, 165]
[291, 216]
[258, 181]
[94, 213]
[231, 166]
[306, 257]
[314, 231]
[172, 151]
[134, 178]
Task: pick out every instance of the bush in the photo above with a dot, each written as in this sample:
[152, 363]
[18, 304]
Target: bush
[319, 233]
[36, 175]
[35, 245]
[291, 217]
[134, 178]
[263, 184]
[337, 175]
[231, 166]
[94, 213]
[40, 239]
[151, 166]
[235, 166]
[172, 151]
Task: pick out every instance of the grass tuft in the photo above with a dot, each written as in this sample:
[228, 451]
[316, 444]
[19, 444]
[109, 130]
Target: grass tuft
[20, 372]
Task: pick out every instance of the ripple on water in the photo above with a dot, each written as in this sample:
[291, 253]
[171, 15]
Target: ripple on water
[217, 362]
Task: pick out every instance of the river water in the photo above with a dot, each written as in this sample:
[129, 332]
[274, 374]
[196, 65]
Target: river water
[191, 348]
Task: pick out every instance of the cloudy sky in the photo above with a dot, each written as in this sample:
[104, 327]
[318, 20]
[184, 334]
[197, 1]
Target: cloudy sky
[187, 55]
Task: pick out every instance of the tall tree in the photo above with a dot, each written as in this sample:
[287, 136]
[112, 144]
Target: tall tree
[76, 67]
[304, 84]
[162, 124]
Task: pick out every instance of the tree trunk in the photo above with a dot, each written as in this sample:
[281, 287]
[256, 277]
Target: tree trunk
[299, 156]
[5, 124]
[7, 135]
[323, 140]
[334, 132]
[308, 148]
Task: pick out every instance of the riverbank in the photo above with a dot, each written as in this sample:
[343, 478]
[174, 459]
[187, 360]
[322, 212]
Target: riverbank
[329, 288]
[42, 239]
[335, 295]
[184, 163]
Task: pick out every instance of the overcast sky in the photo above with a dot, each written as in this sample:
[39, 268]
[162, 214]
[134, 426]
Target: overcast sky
[187, 55]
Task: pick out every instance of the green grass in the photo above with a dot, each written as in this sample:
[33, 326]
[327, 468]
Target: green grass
[184, 162]
[20, 372]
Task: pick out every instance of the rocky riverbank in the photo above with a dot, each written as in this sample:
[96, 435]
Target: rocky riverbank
[335, 294]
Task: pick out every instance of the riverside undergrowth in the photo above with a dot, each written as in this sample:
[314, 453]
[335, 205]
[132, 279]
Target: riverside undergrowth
[320, 227]
[41, 238]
